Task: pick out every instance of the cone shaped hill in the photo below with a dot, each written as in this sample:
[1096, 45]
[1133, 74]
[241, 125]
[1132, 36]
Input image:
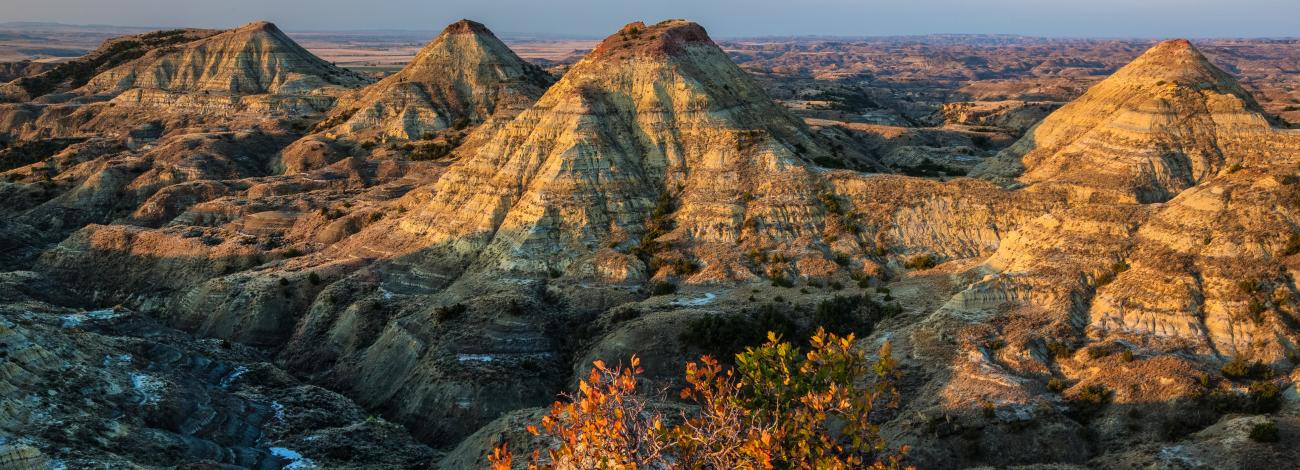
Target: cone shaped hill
[233, 249]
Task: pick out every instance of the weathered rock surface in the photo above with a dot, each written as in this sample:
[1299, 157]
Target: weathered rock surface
[256, 58]
[1148, 235]
[1017, 116]
[108, 387]
[1163, 123]
[10, 71]
[653, 113]
[73, 74]
[462, 78]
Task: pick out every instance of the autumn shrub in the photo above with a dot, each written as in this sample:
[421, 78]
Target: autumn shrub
[779, 407]
[783, 408]
[604, 425]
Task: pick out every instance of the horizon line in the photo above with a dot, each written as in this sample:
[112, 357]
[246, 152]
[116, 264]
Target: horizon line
[721, 37]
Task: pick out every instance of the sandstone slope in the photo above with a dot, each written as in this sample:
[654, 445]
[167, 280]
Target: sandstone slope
[654, 141]
[255, 58]
[460, 79]
[1152, 235]
[1165, 122]
[75, 73]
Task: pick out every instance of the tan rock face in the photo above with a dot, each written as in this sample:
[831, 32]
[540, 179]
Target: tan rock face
[256, 58]
[654, 113]
[1165, 122]
[1154, 218]
[1212, 269]
[114, 52]
[1209, 270]
[1016, 115]
[181, 78]
[460, 79]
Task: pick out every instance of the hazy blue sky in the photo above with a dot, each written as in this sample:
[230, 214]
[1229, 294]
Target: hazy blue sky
[1128, 18]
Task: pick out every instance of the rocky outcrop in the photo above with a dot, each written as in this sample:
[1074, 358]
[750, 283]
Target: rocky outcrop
[465, 76]
[109, 387]
[1206, 271]
[182, 79]
[10, 71]
[1149, 234]
[73, 74]
[256, 58]
[1213, 270]
[1163, 123]
[655, 113]
[1015, 116]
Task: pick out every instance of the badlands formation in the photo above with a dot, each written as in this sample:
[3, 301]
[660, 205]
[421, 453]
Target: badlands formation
[220, 249]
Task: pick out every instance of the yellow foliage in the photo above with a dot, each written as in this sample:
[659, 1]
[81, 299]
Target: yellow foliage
[778, 408]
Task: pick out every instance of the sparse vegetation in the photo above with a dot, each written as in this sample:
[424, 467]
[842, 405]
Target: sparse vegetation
[1264, 432]
[1108, 277]
[657, 225]
[778, 279]
[1089, 400]
[863, 279]
[1263, 397]
[1292, 245]
[685, 267]
[450, 312]
[925, 261]
[1239, 369]
[658, 288]
[723, 336]
[831, 202]
[844, 315]
[928, 168]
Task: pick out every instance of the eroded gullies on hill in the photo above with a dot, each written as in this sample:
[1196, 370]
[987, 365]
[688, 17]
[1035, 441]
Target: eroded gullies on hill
[462, 78]
[446, 294]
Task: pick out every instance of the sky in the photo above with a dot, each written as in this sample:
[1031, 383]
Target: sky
[723, 18]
